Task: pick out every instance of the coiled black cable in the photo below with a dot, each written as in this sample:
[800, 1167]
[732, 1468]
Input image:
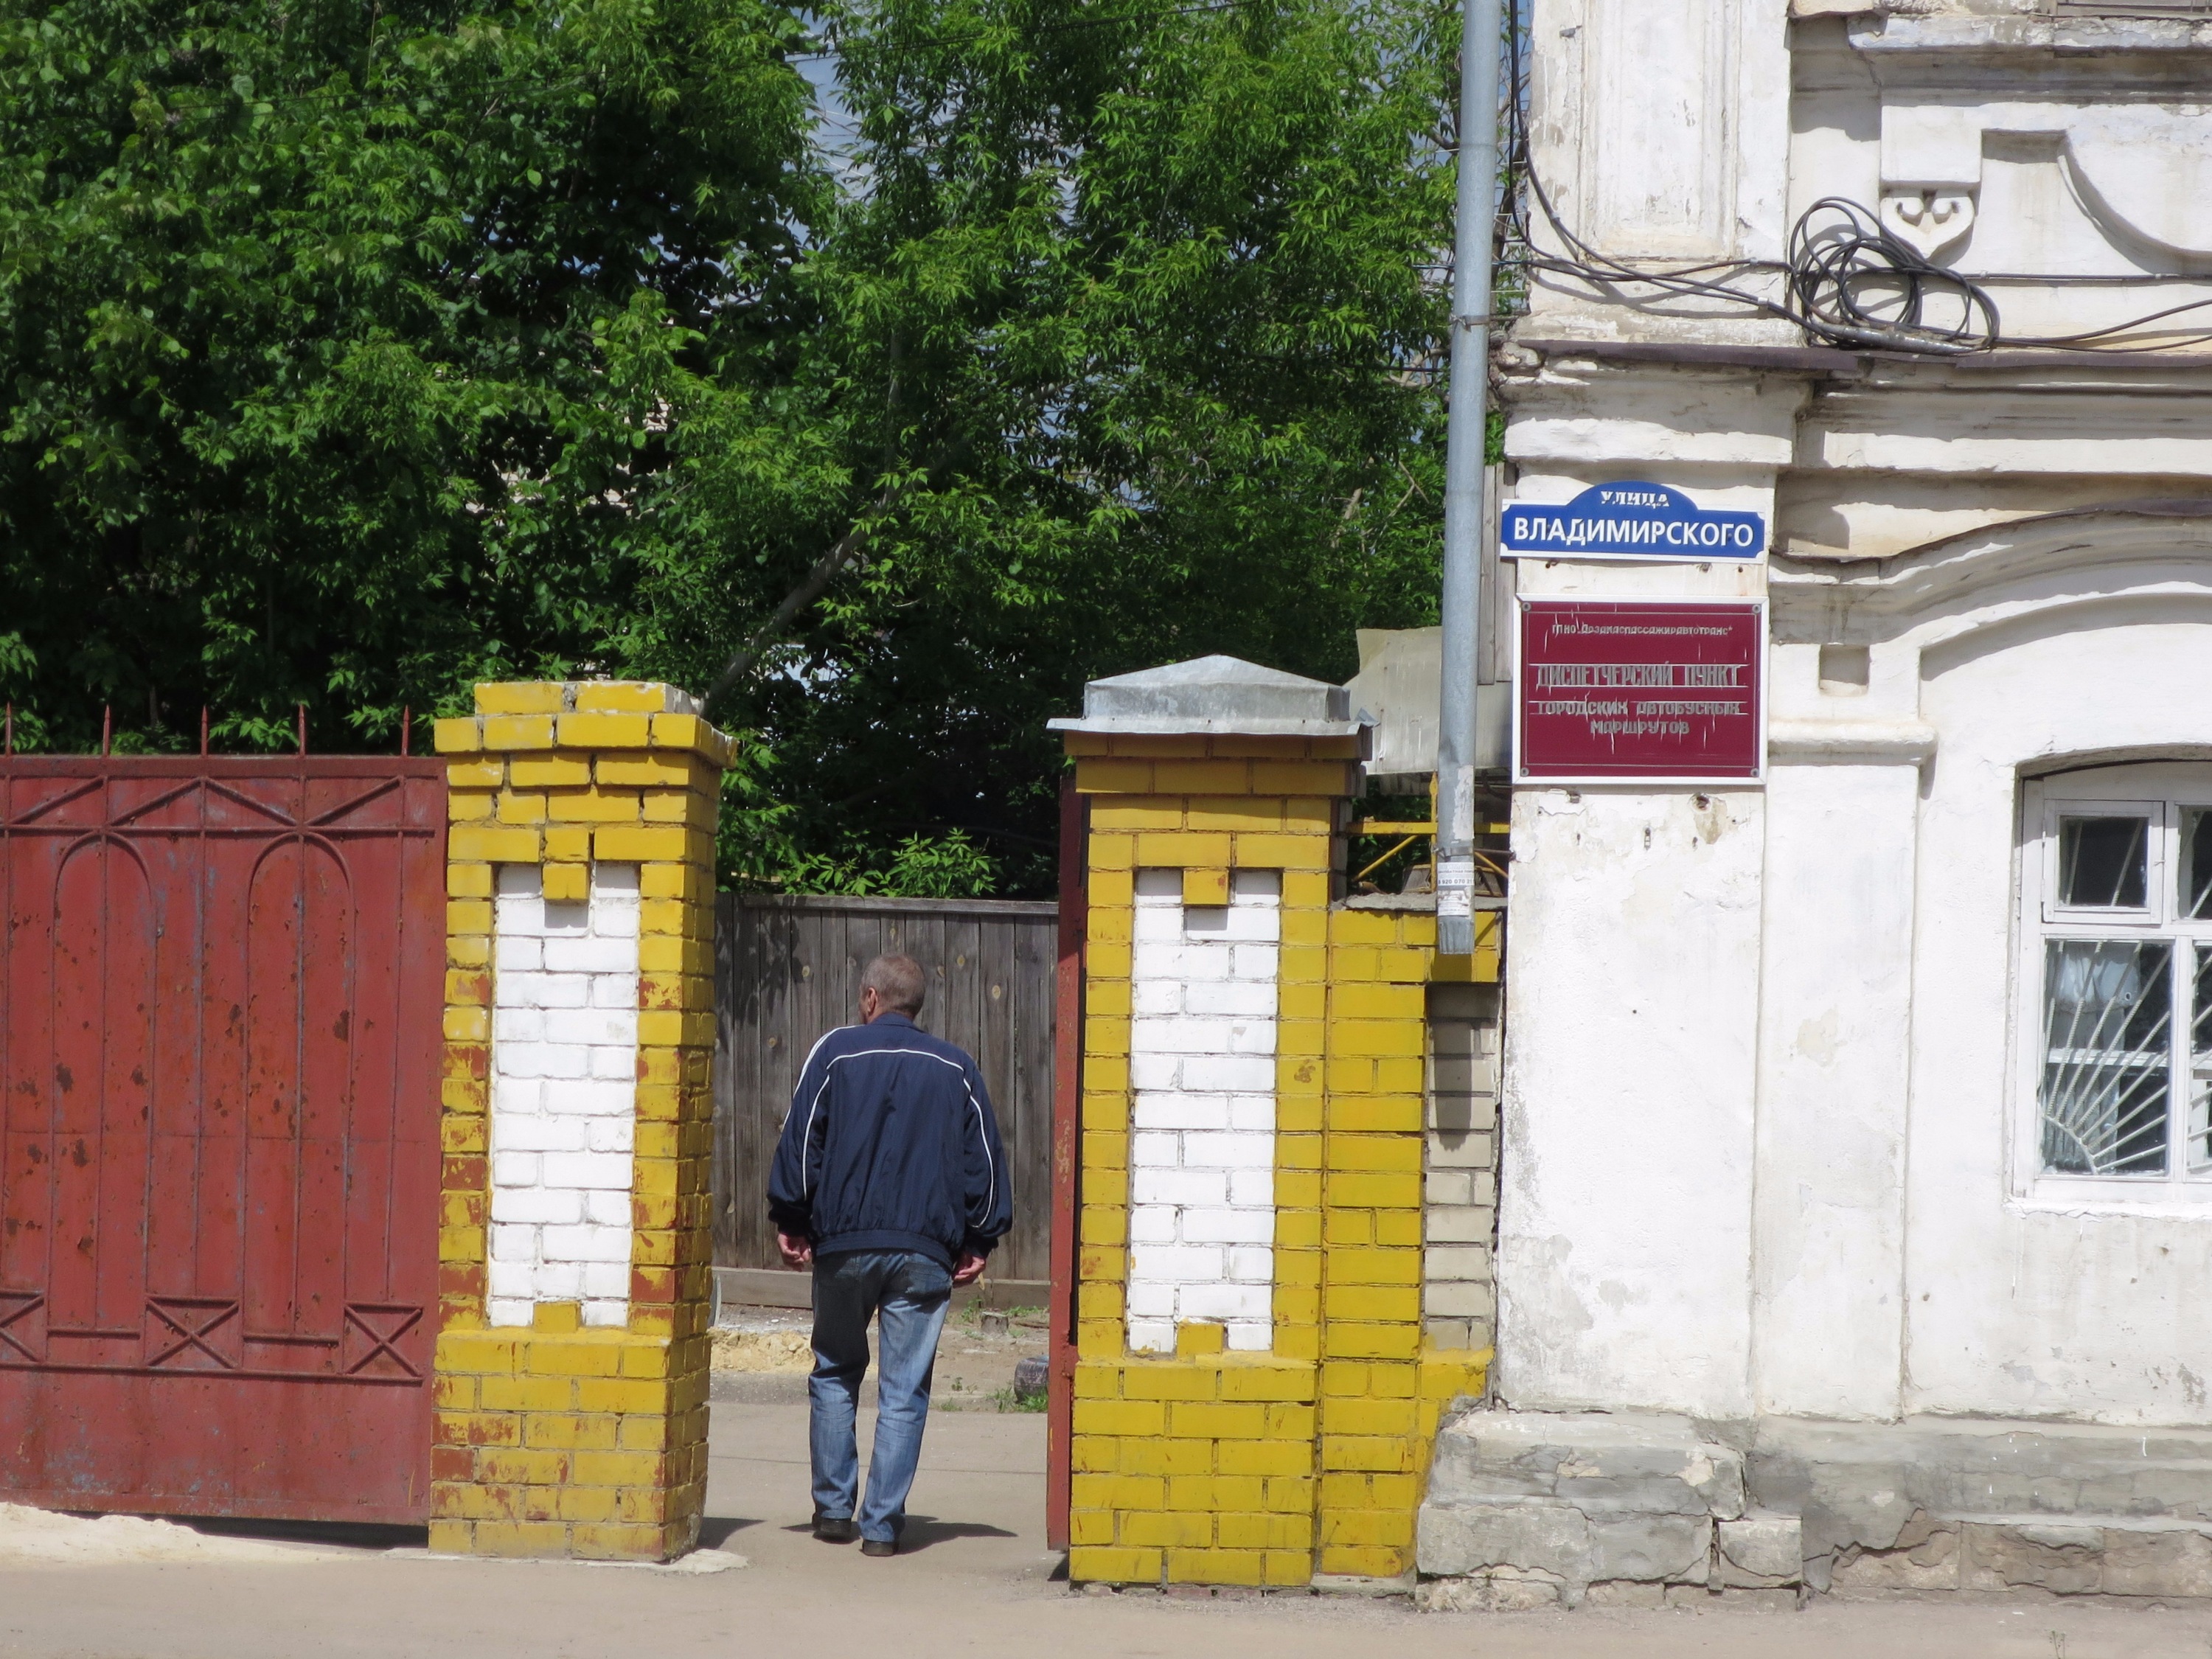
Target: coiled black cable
[1853, 283]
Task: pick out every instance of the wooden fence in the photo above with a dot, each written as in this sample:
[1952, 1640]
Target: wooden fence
[786, 969]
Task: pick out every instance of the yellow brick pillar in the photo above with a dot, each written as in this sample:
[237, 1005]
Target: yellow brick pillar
[1241, 1468]
[576, 1425]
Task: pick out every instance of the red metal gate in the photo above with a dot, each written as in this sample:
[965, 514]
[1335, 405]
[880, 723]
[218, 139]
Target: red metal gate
[219, 1060]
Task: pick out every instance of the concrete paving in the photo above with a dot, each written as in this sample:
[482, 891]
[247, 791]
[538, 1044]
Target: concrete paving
[976, 1580]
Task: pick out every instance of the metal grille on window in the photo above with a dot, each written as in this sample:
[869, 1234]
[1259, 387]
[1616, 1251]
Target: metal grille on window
[2107, 1020]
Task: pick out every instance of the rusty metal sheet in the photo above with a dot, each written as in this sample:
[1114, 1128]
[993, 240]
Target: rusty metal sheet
[220, 996]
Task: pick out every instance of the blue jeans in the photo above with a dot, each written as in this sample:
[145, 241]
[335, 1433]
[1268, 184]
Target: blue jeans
[908, 1293]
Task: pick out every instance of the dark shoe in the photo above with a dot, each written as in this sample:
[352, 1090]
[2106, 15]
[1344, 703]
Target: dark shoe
[836, 1529]
[879, 1547]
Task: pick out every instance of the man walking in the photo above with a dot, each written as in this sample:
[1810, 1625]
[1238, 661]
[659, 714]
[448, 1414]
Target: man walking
[892, 1182]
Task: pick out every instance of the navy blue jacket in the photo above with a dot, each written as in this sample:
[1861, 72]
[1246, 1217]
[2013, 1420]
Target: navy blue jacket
[890, 1146]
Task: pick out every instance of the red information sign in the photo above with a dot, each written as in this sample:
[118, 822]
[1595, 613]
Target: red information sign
[1660, 691]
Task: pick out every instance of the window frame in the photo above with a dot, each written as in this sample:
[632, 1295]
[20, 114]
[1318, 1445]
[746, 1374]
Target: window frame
[2165, 793]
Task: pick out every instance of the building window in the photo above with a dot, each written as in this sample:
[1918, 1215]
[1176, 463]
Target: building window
[2117, 890]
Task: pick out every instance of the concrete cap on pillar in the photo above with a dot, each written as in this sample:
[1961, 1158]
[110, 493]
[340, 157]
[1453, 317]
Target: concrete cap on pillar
[1214, 695]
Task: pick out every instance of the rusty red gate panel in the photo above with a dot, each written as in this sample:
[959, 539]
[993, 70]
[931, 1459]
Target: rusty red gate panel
[219, 1061]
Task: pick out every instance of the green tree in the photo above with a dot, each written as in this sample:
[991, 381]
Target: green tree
[355, 361]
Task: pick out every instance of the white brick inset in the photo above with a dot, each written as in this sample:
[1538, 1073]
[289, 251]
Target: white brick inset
[1202, 1153]
[564, 1095]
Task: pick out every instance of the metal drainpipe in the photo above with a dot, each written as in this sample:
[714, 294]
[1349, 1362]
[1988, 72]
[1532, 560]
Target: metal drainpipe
[1481, 51]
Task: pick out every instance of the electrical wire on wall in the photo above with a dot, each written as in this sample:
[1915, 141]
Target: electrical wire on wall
[1848, 282]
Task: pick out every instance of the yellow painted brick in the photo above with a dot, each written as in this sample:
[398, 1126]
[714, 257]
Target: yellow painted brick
[1291, 1494]
[1094, 1454]
[1372, 1002]
[1377, 1154]
[1169, 1382]
[1404, 1076]
[476, 773]
[515, 1465]
[1248, 814]
[1355, 1340]
[1265, 1382]
[1097, 1338]
[1171, 1528]
[1108, 927]
[1145, 1456]
[571, 1431]
[1364, 1191]
[1219, 1421]
[1367, 1417]
[1170, 849]
[1092, 1565]
[553, 770]
[1118, 1491]
[1298, 1152]
[1297, 1039]
[1113, 777]
[1375, 1267]
[1377, 1037]
[1263, 852]
[621, 697]
[1105, 1034]
[1090, 1526]
[471, 806]
[1104, 1150]
[1262, 1457]
[1286, 1568]
[1303, 778]
[639, 846]
[521, 807]
[1298, 1189]
[1216, 1491]
[618, 1468]
[1374, 1527]
[1214, 1566]
[566, 883]
[1376, 1114]
[1264, 1530]
[679, 807]
[1137, 812]
[479, 1351]
[457, 737]
[512, 732]
[1301, 964]
[520, 697]
[1205, 887]
[1122, 1417]
[621, 1395]
[468, 1024]
[604, 731]
[593, 805]
[612, 1542]
[472, 843]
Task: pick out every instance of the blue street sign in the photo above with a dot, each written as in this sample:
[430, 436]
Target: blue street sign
[1630, 521]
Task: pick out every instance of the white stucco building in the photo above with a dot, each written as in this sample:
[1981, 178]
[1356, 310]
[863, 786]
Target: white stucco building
[1857, 1121]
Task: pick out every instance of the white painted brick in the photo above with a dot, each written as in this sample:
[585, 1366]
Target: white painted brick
[518, 880]
[1151, 1335]
[612, 1313]
[505, 1278]
[1155, 1151]
[553, 989]
[1252, 1114]
[604, 1027]
[584, 1097]
[518, 1025]
[606, 1278]
[518, 953]
[589, 955]
[1251, 1335]
[536, 1133]
[579, 1171]
[1202, 1067]
[1155, 996]
[510, 1241]
[615, 991]
[1176, 1264]
[1253, 1188]
[559, 1281]
[587, 1243]
[1178, 1187]
[512, 1094]
[1152, 1299]
[537, 1206]
[1256, 961]
[567, 920]
[1227, 1225]
[608, 1209]
[1153, 1072]
[1228, 1151]
[611, 1061]
[1227, 1301]
[508, 1310]
[1166, 1110]
[1154, 1224]
[612, 1135]
[1236, 999]
[1252, 1265]
[515, 1170]
[1231, 1074]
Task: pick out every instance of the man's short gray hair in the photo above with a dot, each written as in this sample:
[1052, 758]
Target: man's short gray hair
[898, 981]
